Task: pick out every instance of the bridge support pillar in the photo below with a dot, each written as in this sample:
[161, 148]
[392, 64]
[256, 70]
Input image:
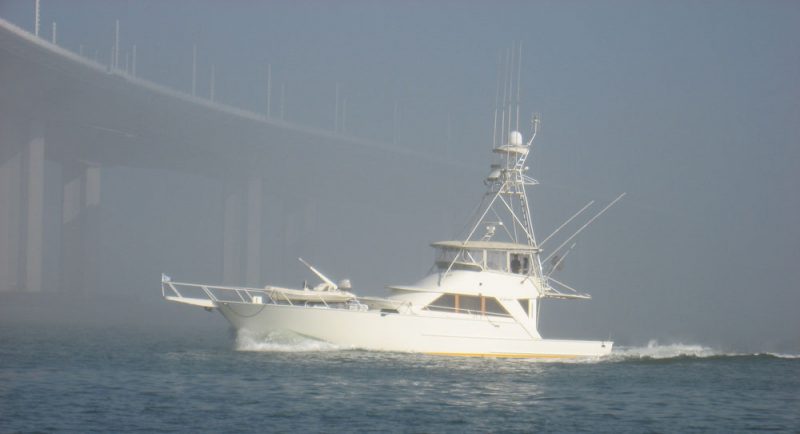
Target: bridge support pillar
[28, 225]
[34, 245]
[241, 243]
[11, 215]
[80, 218]
[91, 229]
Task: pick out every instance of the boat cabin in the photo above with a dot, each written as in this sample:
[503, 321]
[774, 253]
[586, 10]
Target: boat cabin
[485, 256]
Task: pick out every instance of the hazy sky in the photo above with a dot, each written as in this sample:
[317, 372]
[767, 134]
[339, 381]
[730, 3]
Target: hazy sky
[693, 108]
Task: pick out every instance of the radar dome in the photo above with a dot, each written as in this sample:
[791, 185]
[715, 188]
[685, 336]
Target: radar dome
[515, 138]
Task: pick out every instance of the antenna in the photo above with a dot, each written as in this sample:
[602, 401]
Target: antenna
[536, 121]
[496, 98]
[194, 69]
[519, 74]
[505, 98]
[269, 90]
[336, 110]
[212, 83]
[343, 126]
[283, 100]
[116, 46]
[36, 9]
[394, 123]
[510, 86]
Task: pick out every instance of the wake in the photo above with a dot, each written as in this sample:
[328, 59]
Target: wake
[655, 351]
[279, 342]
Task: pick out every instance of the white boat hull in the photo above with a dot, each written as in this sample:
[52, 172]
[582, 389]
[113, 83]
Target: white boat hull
[465, 335]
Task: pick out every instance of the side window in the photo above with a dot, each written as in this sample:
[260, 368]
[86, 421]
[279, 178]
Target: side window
[525, 305]
[445, 303]
[492, 306]
[456, 303]
[478, 305]
[470, 303]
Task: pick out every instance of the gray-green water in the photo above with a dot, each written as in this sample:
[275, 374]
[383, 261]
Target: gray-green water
[156, 379]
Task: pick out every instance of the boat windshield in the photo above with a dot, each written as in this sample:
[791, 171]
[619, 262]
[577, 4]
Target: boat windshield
[519, 263]
[447, 256]
[485, 259]
[497, 260]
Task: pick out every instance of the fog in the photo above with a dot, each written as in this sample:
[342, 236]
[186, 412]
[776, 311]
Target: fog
[691, 108]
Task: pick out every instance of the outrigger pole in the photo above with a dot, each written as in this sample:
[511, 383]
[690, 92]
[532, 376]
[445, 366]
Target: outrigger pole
[584, 226]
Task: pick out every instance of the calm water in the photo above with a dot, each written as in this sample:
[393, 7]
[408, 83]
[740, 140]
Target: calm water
[117, 379]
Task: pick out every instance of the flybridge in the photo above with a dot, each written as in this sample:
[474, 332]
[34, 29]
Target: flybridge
[501, 237]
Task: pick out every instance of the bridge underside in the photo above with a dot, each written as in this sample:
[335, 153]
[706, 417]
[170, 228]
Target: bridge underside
[67, 127]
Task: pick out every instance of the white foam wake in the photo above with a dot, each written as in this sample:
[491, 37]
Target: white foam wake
[279, 342]
[783, 355]
[655, 351]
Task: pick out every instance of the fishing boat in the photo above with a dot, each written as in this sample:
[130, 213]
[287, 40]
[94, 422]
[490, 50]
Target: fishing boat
[481, 297]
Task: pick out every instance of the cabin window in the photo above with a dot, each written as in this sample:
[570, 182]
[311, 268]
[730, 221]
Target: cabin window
[520, 263]
[456, 303]
[467, 304]
[447, 256]
[496, 261]
[474, 256]
[445, 303]
[525, 303]
[492, 306]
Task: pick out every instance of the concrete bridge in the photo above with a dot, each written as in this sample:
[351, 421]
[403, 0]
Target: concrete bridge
[64, 119]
